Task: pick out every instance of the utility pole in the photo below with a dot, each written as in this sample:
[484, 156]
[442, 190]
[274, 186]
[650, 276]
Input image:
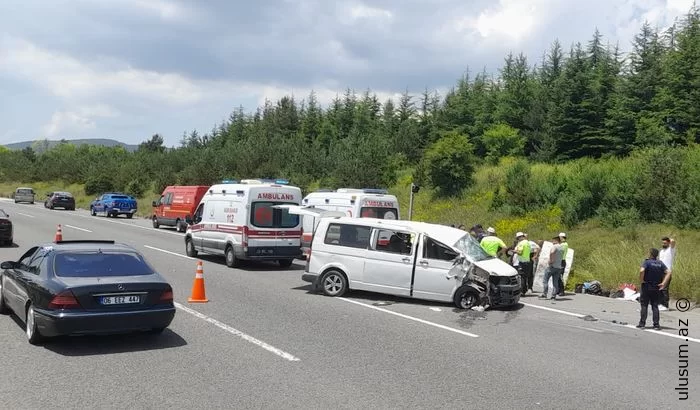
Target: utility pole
[414, 189]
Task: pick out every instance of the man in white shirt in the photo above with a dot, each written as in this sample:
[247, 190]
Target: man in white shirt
[666, 255]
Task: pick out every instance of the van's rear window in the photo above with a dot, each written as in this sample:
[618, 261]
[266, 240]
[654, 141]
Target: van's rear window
[96, 264]
[381, 213]
[120, 197]
[263, 215]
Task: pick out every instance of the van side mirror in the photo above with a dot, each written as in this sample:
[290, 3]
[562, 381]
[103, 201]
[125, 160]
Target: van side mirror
[8, 265]
[188, 219]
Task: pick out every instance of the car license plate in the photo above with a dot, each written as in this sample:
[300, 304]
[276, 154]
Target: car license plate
[119, 300]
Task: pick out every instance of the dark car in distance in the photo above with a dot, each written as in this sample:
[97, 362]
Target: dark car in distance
[6, 229]
[60, 199]
[85, 287]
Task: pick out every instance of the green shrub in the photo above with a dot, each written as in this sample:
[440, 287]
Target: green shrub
[502, 140]
[136, 188]
[98, 184]
[449, 164]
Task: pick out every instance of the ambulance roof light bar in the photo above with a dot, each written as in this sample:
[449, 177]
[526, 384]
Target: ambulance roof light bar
[363, 191]
[277, 181]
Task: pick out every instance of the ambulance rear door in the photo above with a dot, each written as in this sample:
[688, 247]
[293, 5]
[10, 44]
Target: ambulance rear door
[273, 233]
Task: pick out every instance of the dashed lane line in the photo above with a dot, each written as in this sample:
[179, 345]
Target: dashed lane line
[77, 228]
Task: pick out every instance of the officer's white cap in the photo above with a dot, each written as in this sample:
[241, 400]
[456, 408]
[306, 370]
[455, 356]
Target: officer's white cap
[491, 230]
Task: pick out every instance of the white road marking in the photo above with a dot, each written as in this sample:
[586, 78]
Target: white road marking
[171, 253]
[235, 332]
[27, 215]
[75, 227]
[658, 332]
[435, 309]
[563, 312]
[103, 219]
[451, 329]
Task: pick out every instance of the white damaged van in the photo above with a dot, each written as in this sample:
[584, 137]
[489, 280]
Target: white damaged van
[410, 259]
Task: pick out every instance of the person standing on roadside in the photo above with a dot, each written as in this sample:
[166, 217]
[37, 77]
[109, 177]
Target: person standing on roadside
[492, 244]
[524, 251]
[666, 255]
[554, 270]
[654, 276]
[565, 250]
[534, 255]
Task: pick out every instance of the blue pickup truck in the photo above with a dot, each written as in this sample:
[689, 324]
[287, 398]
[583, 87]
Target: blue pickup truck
[113, 204]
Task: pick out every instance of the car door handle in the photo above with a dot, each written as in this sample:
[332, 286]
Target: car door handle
[407, 260]
[425, 263]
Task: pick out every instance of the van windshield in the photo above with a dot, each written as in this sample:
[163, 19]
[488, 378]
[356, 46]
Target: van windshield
[263, 215]
[470, 247]
[25, 191]
[381, 213]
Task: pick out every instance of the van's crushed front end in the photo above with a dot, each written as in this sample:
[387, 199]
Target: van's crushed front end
[504, 282]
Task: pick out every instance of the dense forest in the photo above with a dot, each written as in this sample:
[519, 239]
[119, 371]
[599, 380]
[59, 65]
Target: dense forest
[588, 103]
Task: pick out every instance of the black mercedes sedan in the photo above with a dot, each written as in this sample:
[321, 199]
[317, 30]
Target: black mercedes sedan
[85, 287]
[60, 199]
[6, 229]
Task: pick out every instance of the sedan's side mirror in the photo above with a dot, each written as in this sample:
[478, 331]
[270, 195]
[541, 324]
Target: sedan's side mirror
[8, 265]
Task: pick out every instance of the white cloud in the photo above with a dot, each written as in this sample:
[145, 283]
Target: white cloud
[69, 78]
[76, 121]
[362, 11]
[513, 19]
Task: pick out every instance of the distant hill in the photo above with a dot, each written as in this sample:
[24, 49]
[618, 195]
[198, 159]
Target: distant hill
[42, 145]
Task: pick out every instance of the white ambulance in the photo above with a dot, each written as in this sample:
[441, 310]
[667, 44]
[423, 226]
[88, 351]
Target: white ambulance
[352, 202]
[240, 220]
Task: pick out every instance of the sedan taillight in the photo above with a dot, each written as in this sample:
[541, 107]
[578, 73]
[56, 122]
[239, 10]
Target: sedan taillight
[166, 296]
[64, 300]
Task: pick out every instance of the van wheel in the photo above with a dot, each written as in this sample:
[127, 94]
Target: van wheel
[333, 283]
[129, 216]
[466, 297]
[180, 226]
[285, 263]
[189, 248]
[155, 223]
[92, 211]
[231, 260]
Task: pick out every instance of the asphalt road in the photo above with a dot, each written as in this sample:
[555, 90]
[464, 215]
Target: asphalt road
[265, 341]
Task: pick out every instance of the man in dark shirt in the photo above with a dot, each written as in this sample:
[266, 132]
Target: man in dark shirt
[478, 232]
[654, 276]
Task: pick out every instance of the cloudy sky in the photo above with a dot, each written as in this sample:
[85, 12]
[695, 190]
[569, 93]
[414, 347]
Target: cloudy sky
[126, 69]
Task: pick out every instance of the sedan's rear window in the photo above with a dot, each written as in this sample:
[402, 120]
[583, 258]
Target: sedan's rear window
[96, 264]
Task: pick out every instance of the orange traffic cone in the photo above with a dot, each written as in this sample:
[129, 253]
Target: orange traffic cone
[59, 234]
[198, 293]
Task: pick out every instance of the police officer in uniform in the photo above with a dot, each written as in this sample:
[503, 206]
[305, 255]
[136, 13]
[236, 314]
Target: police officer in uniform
[654, 277]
